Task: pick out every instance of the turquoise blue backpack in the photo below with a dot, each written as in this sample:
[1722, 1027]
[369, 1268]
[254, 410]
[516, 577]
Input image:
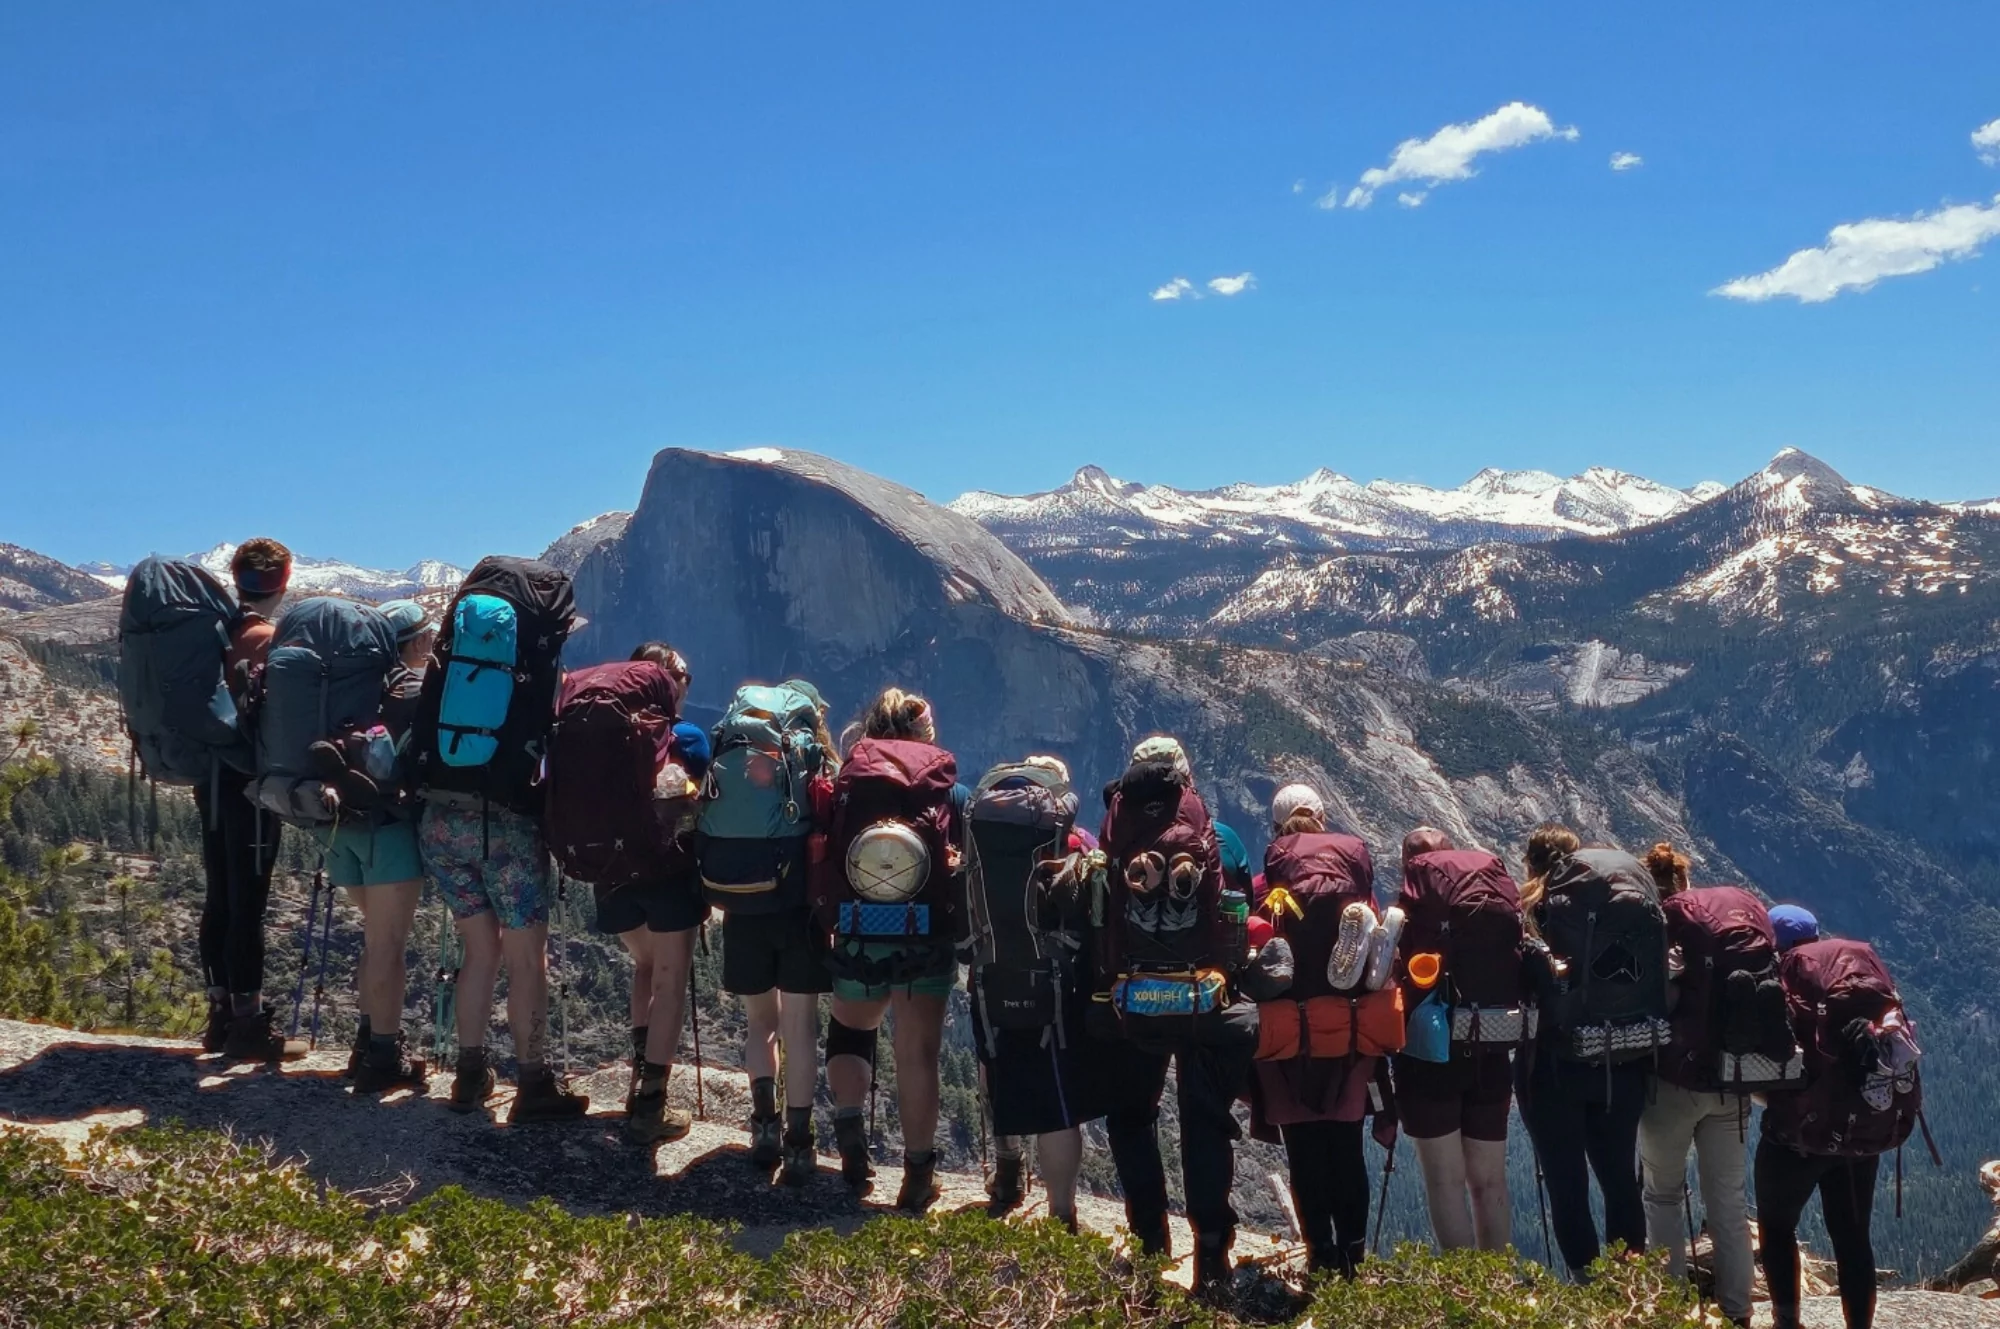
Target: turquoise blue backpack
[757, 800]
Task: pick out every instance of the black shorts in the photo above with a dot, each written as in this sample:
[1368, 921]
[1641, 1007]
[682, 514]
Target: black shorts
[1470, 1095]
[784, 950]
[674, 905]
[1037, 1085]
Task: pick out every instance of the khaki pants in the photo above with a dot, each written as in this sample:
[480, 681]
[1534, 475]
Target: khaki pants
[1713, 1125]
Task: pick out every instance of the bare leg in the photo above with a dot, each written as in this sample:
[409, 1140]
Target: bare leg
[639, 945]
[848, 1076]
[1443, 1162]
[1059, 1159]
[477, 973]
[919, 1043]
[527, 955]
[1486, 1178]
[798, 1020]
[760, 1040]
[673, 957]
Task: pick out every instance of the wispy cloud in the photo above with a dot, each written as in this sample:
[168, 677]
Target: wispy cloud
[1237, 285]
[1625, 161]
[1448, 154]
[1180, 288]
[1986, 142]
[1856, 255]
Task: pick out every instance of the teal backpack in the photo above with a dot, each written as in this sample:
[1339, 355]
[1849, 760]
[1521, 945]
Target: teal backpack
[757, 800]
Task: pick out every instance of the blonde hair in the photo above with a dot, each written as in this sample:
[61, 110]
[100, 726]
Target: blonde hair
[1669, 868]
[1549, 844]
[900, 714]
[1303, 821]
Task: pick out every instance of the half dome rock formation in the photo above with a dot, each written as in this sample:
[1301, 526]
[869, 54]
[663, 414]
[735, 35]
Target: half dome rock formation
[767, 564]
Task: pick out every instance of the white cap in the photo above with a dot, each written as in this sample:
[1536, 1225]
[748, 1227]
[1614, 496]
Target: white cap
[1290, 799]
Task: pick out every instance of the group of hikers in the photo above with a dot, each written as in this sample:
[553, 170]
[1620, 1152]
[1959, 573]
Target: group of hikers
[1633, 1017]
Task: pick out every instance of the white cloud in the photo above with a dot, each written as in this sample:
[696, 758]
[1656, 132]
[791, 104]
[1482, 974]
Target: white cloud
[1329, 200]
[1415, 200]
[1298, 186]
[1986, 142]
[1241, 282]
[1448, 154]
[1625, 161]
[1178, 288]
[1856, 255]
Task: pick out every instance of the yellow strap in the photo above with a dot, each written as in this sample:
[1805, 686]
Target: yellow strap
[1278, 900]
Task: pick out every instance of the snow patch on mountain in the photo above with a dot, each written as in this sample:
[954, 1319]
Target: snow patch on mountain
[320, 576]
[1327, 510]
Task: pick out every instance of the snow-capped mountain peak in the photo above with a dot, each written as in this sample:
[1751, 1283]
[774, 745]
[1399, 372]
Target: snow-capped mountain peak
[319, 576]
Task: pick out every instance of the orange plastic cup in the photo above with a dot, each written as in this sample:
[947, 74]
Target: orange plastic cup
[1425, 968]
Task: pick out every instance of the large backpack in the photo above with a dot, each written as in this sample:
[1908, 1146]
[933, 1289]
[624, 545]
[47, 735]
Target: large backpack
[1854, 1103]
[1602, 920]
[1024, 940]
[889, 876]
[1159, 950]
[1731, 1027]
[1462, 906]
[321, 686]
[173, 634]
[611, 739]
[1322, 874]
[757, 808]
[482, 727]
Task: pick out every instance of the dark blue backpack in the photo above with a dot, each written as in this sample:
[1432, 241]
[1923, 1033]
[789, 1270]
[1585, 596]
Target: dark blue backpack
[322, 683]
[173, 635]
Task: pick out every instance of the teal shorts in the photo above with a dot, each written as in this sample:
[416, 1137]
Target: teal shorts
[361, 855]
[939, 984]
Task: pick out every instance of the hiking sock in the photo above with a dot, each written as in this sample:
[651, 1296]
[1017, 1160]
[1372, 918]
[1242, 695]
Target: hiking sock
[764, 1098]
[652, 1079]
[798, 1123]
[243, 1005]
[362, 1035]
[638, 1043]
[841, 1114]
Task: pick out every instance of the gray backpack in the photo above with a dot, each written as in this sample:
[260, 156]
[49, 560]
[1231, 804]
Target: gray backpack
[322, 683]
[173, 633]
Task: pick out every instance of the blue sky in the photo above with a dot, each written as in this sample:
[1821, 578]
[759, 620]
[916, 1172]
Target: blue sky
[403, 281]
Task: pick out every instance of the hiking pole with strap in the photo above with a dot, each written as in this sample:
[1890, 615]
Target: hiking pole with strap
[562, 971]
[305, 956]
[694, 1022]
[1382, 1205]
[325, 945]
[1542, 1203]
[444, 988]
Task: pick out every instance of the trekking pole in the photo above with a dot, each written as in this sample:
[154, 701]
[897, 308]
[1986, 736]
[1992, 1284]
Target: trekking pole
[1542, 1203]
[325, 945]
[444, 989]
[305, 957]
[694, 1021]
[1382, 1205]
[562, 971]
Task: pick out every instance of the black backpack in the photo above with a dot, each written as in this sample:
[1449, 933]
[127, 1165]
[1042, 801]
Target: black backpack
[173, 635]
[482, 726]
[1026, 918]
[1601, 917]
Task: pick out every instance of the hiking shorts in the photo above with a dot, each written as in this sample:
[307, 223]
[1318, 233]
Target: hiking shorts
[487, 862]
[671, 905]
[937, 984]
[358, 854]
[1470, 1095]
[782, 950]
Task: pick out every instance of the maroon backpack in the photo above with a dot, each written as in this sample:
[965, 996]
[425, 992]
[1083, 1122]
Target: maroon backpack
[1460, 905]
[614, 726]
[1152, 809]
[1731, 1003]
[1839, 992]
[894, 788]
[1324, 873]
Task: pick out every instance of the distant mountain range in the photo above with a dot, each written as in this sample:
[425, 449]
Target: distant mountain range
[316, 576]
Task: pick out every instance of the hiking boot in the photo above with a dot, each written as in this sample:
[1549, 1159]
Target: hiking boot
[474, 1082]
[767, 1148]
[356, 1054]
[381, 1071]
[1212, 1274]
[215, 1034]
[920, 1187]
[540, 1096]
[850, 1137]
[256, 1038]
[1153, 1235]
[651, 1121]
[801, 1161]
[1005, 1189]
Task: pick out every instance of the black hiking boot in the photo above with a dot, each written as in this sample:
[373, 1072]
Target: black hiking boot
[1007, 1187]
[850, 1137]
[651, 1121]
[540, 1096]
[473, 1084]
[256, 1038]
[1212, 1273]
[384, 1069]
[215, 1034]
[920, 1187]
[767, 1148]
[801, 1161]
[356, 1054]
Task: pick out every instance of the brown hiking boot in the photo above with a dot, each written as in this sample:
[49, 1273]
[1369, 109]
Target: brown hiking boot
[850, 1137]
[256, 1038]
[767, 1148]
[651, 1121]
[1006, 1188]
[540, 1096]
[380, 1071]
[801, 1161]
[473, 1084]
[920, 1186]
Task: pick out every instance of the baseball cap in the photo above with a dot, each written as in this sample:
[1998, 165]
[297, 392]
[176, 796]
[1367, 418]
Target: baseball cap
[1794, 926]
[406, 617]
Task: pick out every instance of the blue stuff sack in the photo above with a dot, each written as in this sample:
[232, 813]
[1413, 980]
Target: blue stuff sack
[1429, 1037]
[479, 680]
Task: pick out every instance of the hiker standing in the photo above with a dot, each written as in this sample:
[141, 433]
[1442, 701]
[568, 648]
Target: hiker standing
[1861, 1098]
[1164, 957]
[890, 899]
[1601, 965]
[623, 790]
[1028, 880]
[482, 729]
[767, 794]
[1461, 947]
[1732, 1037]
[1314, 1091]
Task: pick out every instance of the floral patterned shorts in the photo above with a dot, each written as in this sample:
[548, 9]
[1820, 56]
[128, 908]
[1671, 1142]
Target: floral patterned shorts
[494, 860]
